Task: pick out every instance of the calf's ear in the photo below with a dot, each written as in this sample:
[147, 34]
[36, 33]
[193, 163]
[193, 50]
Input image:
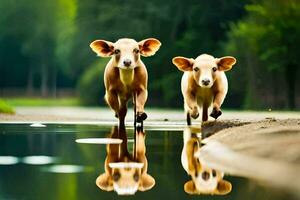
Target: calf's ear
[190, 188]
[146, 182]
[148, 47]
[183, 64]
[104, 182]
[102, 48]
[224, 187]
[225, 63]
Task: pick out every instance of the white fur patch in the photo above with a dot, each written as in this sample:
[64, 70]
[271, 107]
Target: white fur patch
[126, 165]
[125, 190]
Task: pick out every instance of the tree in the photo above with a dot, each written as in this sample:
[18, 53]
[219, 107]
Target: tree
[187, 28]
[271, 34]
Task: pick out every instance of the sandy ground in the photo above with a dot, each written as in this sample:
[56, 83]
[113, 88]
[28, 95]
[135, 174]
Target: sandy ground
[265, 150]
[260, 145]
[98, 115]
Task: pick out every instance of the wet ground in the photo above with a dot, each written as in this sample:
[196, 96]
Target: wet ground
[93, 115]
[47, 163]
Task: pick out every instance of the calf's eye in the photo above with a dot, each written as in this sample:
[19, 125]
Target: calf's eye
[196, 69]
[214, 69]
[136, 51]
[136, 177]
[116, 176]
[117, 51]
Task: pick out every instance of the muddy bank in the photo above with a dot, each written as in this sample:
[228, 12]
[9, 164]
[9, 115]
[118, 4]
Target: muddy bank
[270, 138]
[267, 151]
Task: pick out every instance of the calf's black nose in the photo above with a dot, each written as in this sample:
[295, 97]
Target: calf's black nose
[205, 175]
[127, 62]
[205, 82]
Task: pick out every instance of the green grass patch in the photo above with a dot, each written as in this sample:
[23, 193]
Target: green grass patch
[42, 101]
[5, 107]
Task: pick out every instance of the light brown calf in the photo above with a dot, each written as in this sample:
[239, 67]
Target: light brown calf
[204, 180]
[203, 83]
[126, 173]
[125, 74]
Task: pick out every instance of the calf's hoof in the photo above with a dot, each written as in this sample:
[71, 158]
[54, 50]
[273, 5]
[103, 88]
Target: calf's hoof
[195, 115]
[141, 116]
[194, 112]
[215, 113]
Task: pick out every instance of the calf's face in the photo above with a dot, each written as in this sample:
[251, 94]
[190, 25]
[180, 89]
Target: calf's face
[126, 180]
[207, 181]
[126, 52]
[205, 68]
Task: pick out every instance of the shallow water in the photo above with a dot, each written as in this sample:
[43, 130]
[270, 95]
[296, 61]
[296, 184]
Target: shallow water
[47, 163]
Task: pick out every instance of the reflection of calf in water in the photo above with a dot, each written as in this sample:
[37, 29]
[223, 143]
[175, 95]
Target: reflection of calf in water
[205, 180]
[125, 173]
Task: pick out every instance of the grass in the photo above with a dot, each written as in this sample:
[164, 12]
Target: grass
[23, 101]
[5, 107]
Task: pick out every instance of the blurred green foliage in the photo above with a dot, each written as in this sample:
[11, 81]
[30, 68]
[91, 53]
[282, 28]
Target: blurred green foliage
[266, 43]
[6, 108]
[45, 46]
[91, 86]
[33, 101]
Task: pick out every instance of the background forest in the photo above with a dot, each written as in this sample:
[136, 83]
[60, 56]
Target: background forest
[44, 47]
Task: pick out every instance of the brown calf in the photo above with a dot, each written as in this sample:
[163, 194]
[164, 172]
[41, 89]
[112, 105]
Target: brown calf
[126, 173]
[125, 74]
[204, 179]
[203, 83]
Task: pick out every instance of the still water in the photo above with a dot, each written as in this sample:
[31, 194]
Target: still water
[101, 162]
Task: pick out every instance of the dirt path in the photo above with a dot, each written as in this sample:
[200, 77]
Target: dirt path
[96, 115]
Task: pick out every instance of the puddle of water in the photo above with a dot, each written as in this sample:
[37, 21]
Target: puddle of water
[48, 163]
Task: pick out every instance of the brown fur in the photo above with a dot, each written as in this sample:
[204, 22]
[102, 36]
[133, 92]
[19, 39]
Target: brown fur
[196, 94]
[119, 153]
[123, 82]
[195, 167]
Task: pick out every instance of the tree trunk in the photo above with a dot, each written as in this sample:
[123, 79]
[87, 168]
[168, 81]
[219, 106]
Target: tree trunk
[290, 77]
[251, 101]
[276, 102]
[30, 81]
[53, 81]
[178, 20]
[44, 80]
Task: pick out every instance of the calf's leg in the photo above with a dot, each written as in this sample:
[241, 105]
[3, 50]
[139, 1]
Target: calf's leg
[218, 100]
[140, 100]
[111, 98]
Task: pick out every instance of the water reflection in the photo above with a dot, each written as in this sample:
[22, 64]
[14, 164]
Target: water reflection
[38, 160]
[125, 172]
[205, 180]
[75, 167]
[65, 169]
[8, 160]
